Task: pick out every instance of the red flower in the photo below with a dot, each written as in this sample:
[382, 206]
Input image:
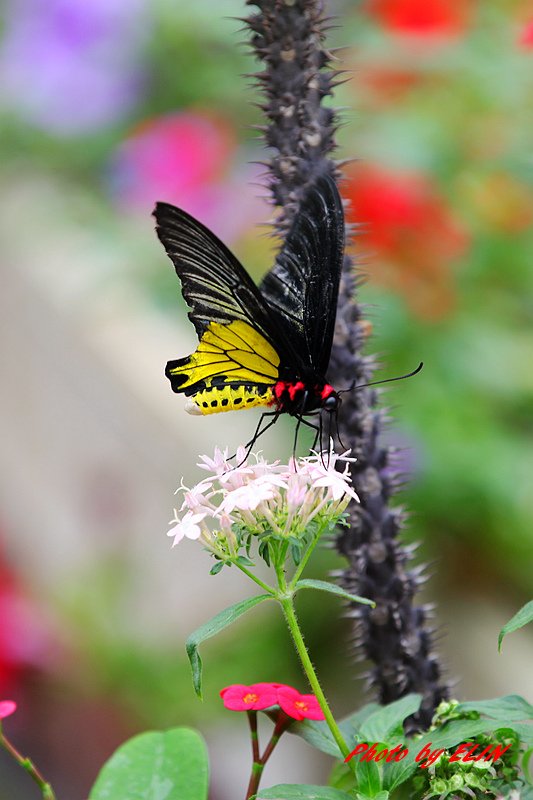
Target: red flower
[24, 639]
[412, 230]
[7, 707]
[526, 36]
[299, 706]
[422, 17]
[173, 155]
[188, 159]
[256, 697]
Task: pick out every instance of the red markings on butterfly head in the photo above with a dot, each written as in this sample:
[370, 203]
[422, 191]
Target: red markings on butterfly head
[301, 398]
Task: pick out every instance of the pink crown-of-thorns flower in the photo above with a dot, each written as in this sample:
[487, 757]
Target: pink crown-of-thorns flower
[7, 707]
[261, 498]
[259, 696]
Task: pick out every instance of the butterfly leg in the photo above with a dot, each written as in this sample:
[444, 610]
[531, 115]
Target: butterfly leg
[258, 432]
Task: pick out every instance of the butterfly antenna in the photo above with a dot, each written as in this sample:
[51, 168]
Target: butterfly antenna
[386, 380]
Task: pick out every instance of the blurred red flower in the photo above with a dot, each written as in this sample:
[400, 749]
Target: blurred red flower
[173, 155]
[526, 36]
[422, 17]
[186, 159]
[7, 707]
[24, 642]
[413, 232]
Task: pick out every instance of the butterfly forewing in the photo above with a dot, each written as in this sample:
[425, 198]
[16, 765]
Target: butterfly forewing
[303, 286]
[214, 283]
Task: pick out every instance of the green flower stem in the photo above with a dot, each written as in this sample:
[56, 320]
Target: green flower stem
[255, 579]
[31, 769]
[252, 720]
[294, 628]
[305, 558]
[258, 766]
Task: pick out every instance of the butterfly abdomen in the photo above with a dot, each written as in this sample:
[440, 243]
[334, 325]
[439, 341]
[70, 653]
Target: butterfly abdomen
[215, 399]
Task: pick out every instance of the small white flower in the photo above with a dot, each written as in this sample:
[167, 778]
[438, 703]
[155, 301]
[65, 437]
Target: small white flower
[337, 484]
[219, 464]
[261, 499]
[296, 493]
[247, 497]
[188, 526]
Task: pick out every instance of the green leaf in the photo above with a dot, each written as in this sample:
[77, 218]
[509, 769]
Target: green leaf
[457, 731]
[215, 569]
[211, 628]
[317, 734]
[524, 732]
[351, 726]
[387, 721]
[244, 562]
[397, 772]
[325, 586]
[368, 778]
[301, 791]
[158, 765]
[520, 619]
[526, 758]
[507, 708]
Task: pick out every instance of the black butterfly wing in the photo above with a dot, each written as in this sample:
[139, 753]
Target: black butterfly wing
[240, 340]
[214, 283]
[303, 286]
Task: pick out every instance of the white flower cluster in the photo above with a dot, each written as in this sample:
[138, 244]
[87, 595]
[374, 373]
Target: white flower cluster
[261, 498]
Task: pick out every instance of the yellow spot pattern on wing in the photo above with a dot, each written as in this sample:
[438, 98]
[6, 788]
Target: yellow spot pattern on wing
[236, 353]
[229, 398]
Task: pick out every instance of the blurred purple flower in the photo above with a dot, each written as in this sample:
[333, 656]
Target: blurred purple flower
[72, 66]
[187, 158]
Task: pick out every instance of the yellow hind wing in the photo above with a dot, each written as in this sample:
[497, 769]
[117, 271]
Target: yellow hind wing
[232, 368]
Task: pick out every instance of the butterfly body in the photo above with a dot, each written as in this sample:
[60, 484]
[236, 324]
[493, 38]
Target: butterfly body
[266, 345]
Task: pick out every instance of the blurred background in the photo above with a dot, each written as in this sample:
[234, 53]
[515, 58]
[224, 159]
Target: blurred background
[111, 105]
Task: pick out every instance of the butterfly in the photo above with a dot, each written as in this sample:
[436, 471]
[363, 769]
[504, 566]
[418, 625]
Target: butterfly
[266, 345]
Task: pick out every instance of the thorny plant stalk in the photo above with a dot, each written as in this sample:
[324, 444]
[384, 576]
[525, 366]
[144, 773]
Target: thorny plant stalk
[287, 36]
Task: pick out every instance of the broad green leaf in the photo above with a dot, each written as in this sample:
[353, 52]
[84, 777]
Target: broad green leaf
[301, 791]
[397, 772]
[387, 720]
[526, 759]
[326, 586]
[317, 734]
[520, 619]
[368, 777]
[158, 765]
[341, 777]
[214, 626]
[508, 708]
[524, 731]
[457, 731]
[350, 726]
